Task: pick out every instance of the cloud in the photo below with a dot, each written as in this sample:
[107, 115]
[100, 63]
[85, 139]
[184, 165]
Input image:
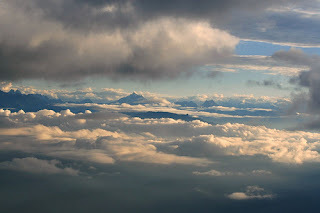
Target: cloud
[269, 65]
[266, 83]
[121, 40]
[213, 9]
[108, 14]
[275, 25]
[87, 141]
[6, 86]
[147, 153]
[243, 140]
[106, 137]
[309, 78]
[252, 192]
[217, 173]
[295, 56]
[165, 106]
[165, 47]
[37, 166]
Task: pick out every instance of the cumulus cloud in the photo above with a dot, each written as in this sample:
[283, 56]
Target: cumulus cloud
[113, 141]
[252, 192]
[156, 48]
[37, 166]
[239, 139]
[127, 39]
[88, 141]
[103, 138]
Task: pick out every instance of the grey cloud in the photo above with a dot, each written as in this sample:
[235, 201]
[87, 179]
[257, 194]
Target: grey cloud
[125, 13]
[35, 44]
[73, 39]
[49, 50]
[308, 78]
[252, 192]
[266, 83]
[205, 8]
[257, 20]
[277, 27]
[37, 166]
[296, 57]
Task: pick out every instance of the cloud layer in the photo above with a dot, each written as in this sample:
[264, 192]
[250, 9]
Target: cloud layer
[108, 138]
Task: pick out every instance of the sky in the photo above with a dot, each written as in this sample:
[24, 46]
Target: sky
[159, 106]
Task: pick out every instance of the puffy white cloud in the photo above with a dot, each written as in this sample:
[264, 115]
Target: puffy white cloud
[37, 166]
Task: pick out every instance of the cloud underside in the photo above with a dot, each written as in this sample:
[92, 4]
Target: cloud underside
[128, 39]
[36, 46]
[101, 138]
